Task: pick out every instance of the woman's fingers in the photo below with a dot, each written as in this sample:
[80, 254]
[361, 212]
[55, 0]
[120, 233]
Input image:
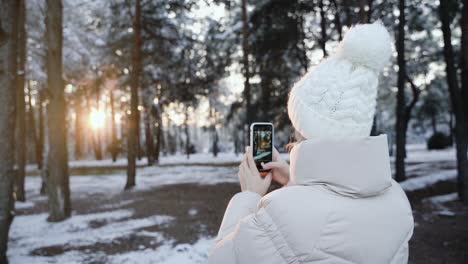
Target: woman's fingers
[250, 160]
[271, 165]
[276, 155]
[267, 181]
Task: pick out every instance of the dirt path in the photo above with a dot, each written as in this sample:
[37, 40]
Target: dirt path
[198, 210]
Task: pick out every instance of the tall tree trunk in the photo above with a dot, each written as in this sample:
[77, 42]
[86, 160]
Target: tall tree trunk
[464, 94]
[78, 127]
[347, 10]
[457, 101]
[31, 124]
[114, 147]
[362, 11]
[246, 64]
[434, 123]
[464, 60]
[8, 62]
[20, 104]
[323, 28]
[135, 83]
[337, 20]
[149, 136]
[58, 188]
[159, 136]
[97, 93]
[401, 100]
[94, 141]
[40, 142]
[139, 150]
[187, 134]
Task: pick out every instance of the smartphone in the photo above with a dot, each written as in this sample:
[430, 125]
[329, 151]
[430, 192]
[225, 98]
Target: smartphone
[261, 141]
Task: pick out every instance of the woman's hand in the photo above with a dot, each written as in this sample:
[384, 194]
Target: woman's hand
[279, 168]
[250, 179]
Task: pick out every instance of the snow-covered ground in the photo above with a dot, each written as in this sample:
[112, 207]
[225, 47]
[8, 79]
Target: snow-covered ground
[31, 231]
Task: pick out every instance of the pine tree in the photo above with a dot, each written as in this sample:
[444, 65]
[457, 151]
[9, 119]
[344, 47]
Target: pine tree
[8, 24]
[57, 181]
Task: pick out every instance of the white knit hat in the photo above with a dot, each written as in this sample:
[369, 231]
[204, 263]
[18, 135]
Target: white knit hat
[337, 98]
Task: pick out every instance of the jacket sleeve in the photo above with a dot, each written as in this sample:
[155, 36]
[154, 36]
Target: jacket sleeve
[250, 242]
[248, 234]
[241, 205]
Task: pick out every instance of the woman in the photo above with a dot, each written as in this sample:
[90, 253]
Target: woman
[340, 203]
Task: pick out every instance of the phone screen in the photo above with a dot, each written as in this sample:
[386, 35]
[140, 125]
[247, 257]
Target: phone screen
[262, 144]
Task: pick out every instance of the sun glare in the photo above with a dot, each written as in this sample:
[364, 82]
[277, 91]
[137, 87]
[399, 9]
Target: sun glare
[97, 119]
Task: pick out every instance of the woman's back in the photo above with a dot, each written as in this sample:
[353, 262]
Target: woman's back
[341, 207]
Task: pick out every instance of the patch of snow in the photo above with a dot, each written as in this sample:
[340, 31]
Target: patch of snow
[182, 253]
[192, 212]
[28, 232]
[438, 202]
[442, 198]
[24, 205]
[422, 182]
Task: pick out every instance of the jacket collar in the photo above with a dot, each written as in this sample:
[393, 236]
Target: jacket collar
[351, 167]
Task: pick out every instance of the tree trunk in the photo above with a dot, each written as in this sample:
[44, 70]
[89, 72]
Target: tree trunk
[464, 59]
[20, 104]
[8, 62]
[149, 137]
[40, 143]
[434, 123]
[187, 134]
[337, 20]
[245, 61]
[401, 102]
[31, 125]
[323, 28]
[58, 188]
[78, 127]
[135, 83]
[347, 10]
[139, 150]
[114, 146]
[94, 141]
[159, 138]
[456, 99]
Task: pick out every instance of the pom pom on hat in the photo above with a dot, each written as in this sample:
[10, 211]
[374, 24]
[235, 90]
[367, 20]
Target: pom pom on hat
[368, 45]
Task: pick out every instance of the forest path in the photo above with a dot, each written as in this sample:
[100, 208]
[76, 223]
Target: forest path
[175, 211]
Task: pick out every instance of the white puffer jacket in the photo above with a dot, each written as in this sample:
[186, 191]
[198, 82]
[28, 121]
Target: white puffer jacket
[341, 206]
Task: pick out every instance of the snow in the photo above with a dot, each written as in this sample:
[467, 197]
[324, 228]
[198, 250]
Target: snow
[422, 182]
[419, 153]
[29, 230]
[438, 203]
[182, 253]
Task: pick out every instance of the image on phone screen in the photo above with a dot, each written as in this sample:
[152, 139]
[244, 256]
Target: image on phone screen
[262, 144]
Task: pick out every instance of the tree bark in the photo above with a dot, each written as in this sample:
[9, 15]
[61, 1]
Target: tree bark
[159, 136]
[401, 100]
[78, 126]
[246, 64]
[464, 59]
[8, 66]
[323, 28]
[58, 188]
[456, 100]
[135, 83]
[114, 147]
[149, 136]
[187, 134]
[337, 20]
[20, 104]
[40, 143]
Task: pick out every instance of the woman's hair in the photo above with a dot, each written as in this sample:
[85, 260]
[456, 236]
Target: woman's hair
[296, 138]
